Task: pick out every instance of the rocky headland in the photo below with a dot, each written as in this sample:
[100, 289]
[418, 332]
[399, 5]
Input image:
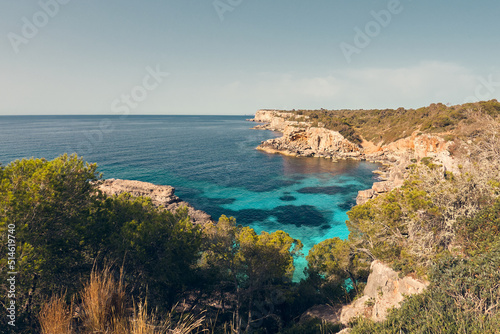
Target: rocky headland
[301, 139]
[161, 196]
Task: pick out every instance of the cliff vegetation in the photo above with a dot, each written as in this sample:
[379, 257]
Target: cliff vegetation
[388, 125]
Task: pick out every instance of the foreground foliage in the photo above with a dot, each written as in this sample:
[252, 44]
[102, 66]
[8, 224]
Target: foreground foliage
[64, 226]
[103, 307]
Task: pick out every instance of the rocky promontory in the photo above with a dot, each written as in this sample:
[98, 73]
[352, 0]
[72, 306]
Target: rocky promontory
[301, 139]
[161, 196]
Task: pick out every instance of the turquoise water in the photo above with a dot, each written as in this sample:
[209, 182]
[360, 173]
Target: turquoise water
[212, 163]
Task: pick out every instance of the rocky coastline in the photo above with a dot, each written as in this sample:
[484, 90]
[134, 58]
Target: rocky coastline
[301, 139]
[385, 289]
[161, 196]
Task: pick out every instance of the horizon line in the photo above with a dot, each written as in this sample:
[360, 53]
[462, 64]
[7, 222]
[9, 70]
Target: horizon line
[123, 116]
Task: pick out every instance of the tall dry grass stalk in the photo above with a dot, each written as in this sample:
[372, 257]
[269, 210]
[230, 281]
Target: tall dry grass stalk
[103, 303]
[55, 316]
[148, 323]
[187, 323]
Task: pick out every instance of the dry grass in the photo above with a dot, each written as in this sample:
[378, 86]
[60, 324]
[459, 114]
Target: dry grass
[147, 323]
[55, 316]
[103, 302]
[102, 310]
[187, 323]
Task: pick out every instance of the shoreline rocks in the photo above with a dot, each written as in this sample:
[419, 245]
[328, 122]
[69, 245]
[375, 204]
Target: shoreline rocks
[161, 196]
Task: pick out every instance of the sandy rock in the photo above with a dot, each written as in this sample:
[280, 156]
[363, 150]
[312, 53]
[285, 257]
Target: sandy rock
[308, 142]
[323, 312]
[356, 308]
[160, 195]
[420, 145]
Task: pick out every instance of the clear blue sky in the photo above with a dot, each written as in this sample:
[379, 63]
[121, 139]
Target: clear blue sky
[262, 54]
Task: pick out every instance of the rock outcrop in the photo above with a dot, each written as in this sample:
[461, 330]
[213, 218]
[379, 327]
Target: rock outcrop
[161, 196]
[311, 142]
[383, 290]
[324, 312]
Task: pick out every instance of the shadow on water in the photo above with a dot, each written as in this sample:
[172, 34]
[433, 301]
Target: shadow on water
[303, 215]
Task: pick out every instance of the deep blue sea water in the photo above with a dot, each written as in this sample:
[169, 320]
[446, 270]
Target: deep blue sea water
[212, 163]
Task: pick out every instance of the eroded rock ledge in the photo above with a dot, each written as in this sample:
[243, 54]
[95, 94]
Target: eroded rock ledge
[160, 196]
[300, 139]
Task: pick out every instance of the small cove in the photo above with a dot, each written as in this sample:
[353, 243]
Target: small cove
[212, 163]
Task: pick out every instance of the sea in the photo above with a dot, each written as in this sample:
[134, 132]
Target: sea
[212, 163]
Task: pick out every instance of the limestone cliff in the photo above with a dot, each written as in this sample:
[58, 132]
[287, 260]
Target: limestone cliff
[383, 290]
[160, 196]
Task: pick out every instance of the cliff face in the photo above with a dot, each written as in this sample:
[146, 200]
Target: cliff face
[419, 146]
[301, 139]
[268, 116]
[160, 196]
[383, 290]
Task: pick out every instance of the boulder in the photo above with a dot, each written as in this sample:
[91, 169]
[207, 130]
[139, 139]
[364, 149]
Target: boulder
[364, 196]
[324, 312]
[383, 290]
[382, 187]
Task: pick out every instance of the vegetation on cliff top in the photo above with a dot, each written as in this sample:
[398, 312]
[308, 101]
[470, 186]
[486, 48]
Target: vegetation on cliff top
[388, 125]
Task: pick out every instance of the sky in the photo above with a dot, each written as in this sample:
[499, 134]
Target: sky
[233, 57]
